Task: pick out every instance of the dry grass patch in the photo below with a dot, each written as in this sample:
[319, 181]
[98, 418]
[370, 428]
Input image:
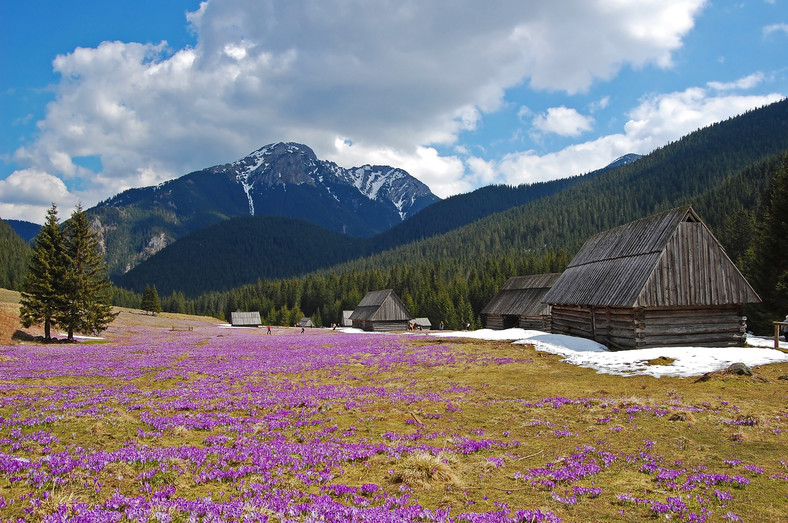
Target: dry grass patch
[425, 470]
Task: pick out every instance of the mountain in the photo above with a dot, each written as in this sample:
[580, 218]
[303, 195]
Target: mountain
[624, 160]
[250, 249]
[26, 230]
[283, 179]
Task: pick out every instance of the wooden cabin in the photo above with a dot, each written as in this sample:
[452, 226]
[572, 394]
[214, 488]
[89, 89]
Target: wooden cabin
[245, 319]
[381, 311]
[519, 304]
[346, 322]
[421, 324]
[305, 322]
[659, 281]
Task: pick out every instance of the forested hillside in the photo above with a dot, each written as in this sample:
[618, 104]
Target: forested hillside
[26, 230]
[14, 255]
[683, 172]
[239, 251]
[722, 171]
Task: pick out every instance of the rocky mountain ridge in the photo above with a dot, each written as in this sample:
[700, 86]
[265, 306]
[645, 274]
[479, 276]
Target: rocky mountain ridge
[282, 179]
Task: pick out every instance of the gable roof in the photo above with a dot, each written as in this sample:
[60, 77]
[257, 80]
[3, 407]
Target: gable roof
[382, 305]
[522, 296]
[665, 260]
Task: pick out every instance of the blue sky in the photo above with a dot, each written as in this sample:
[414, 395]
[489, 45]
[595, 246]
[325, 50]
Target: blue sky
[97, 97]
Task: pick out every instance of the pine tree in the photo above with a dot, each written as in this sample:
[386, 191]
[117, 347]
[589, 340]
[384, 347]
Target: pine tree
[42, 293]
[145, 303]
[150, 300]
[155, 301]
[88, 290]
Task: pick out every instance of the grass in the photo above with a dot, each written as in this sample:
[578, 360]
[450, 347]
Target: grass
[270, 425]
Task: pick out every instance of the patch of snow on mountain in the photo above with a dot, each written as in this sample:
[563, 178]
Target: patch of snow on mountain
[368, 182]
[248, 190]
[328, 189]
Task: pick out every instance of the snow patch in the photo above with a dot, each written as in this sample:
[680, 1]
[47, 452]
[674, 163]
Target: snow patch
[687, 361]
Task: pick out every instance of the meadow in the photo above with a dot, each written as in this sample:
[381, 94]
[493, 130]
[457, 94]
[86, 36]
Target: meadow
[158, 424]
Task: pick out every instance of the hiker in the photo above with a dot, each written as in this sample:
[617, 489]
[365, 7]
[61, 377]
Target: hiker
[269, 330]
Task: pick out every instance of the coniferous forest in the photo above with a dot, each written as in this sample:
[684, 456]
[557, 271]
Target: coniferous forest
[14, 255]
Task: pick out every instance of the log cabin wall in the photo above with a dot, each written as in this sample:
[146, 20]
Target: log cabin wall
[572, 321]
[537, 323]
[636, 328]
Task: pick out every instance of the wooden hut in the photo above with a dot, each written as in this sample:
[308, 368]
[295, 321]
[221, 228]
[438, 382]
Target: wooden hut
[421, 323]
[245, 319]
[519, 304]
[306, 322]
[346, 322]
[381, 311]
[662, 280]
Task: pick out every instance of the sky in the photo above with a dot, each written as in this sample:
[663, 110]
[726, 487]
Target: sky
[682, 362]
[98, 97]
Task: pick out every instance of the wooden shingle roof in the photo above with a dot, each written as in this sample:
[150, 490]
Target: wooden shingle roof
[247, 319]
[382, 305]
[522, 296]
[665, 260]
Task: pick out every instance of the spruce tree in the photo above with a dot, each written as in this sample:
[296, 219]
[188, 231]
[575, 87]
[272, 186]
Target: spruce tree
[43, 296]
[150, 300]
[88, 290]
[145, 303]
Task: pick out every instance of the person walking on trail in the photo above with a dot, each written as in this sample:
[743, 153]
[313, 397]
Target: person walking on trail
[302, 329]
[269, 330]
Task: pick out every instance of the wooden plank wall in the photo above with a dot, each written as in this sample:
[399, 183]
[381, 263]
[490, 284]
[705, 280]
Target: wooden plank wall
[695, 271]
[510, 321]
[718, 326]
[572, 321]
[537, 323]
[381, 326]
[390, 310]
[625, 328]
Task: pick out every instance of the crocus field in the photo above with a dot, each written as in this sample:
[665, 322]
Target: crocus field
[220, 424]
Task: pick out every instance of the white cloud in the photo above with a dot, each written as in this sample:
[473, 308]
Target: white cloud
[600, 104]
[775, 28]
[444, 175]
[748, 82]
[28, 193]
[562, 121]
[658, 120]
[397, 76]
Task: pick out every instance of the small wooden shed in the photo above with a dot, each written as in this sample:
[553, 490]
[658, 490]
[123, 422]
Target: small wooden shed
[306, 322]
[245, 319]
[381, 311]
[421, 323]
[519, 304]
[659, 281]
[346, 322]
